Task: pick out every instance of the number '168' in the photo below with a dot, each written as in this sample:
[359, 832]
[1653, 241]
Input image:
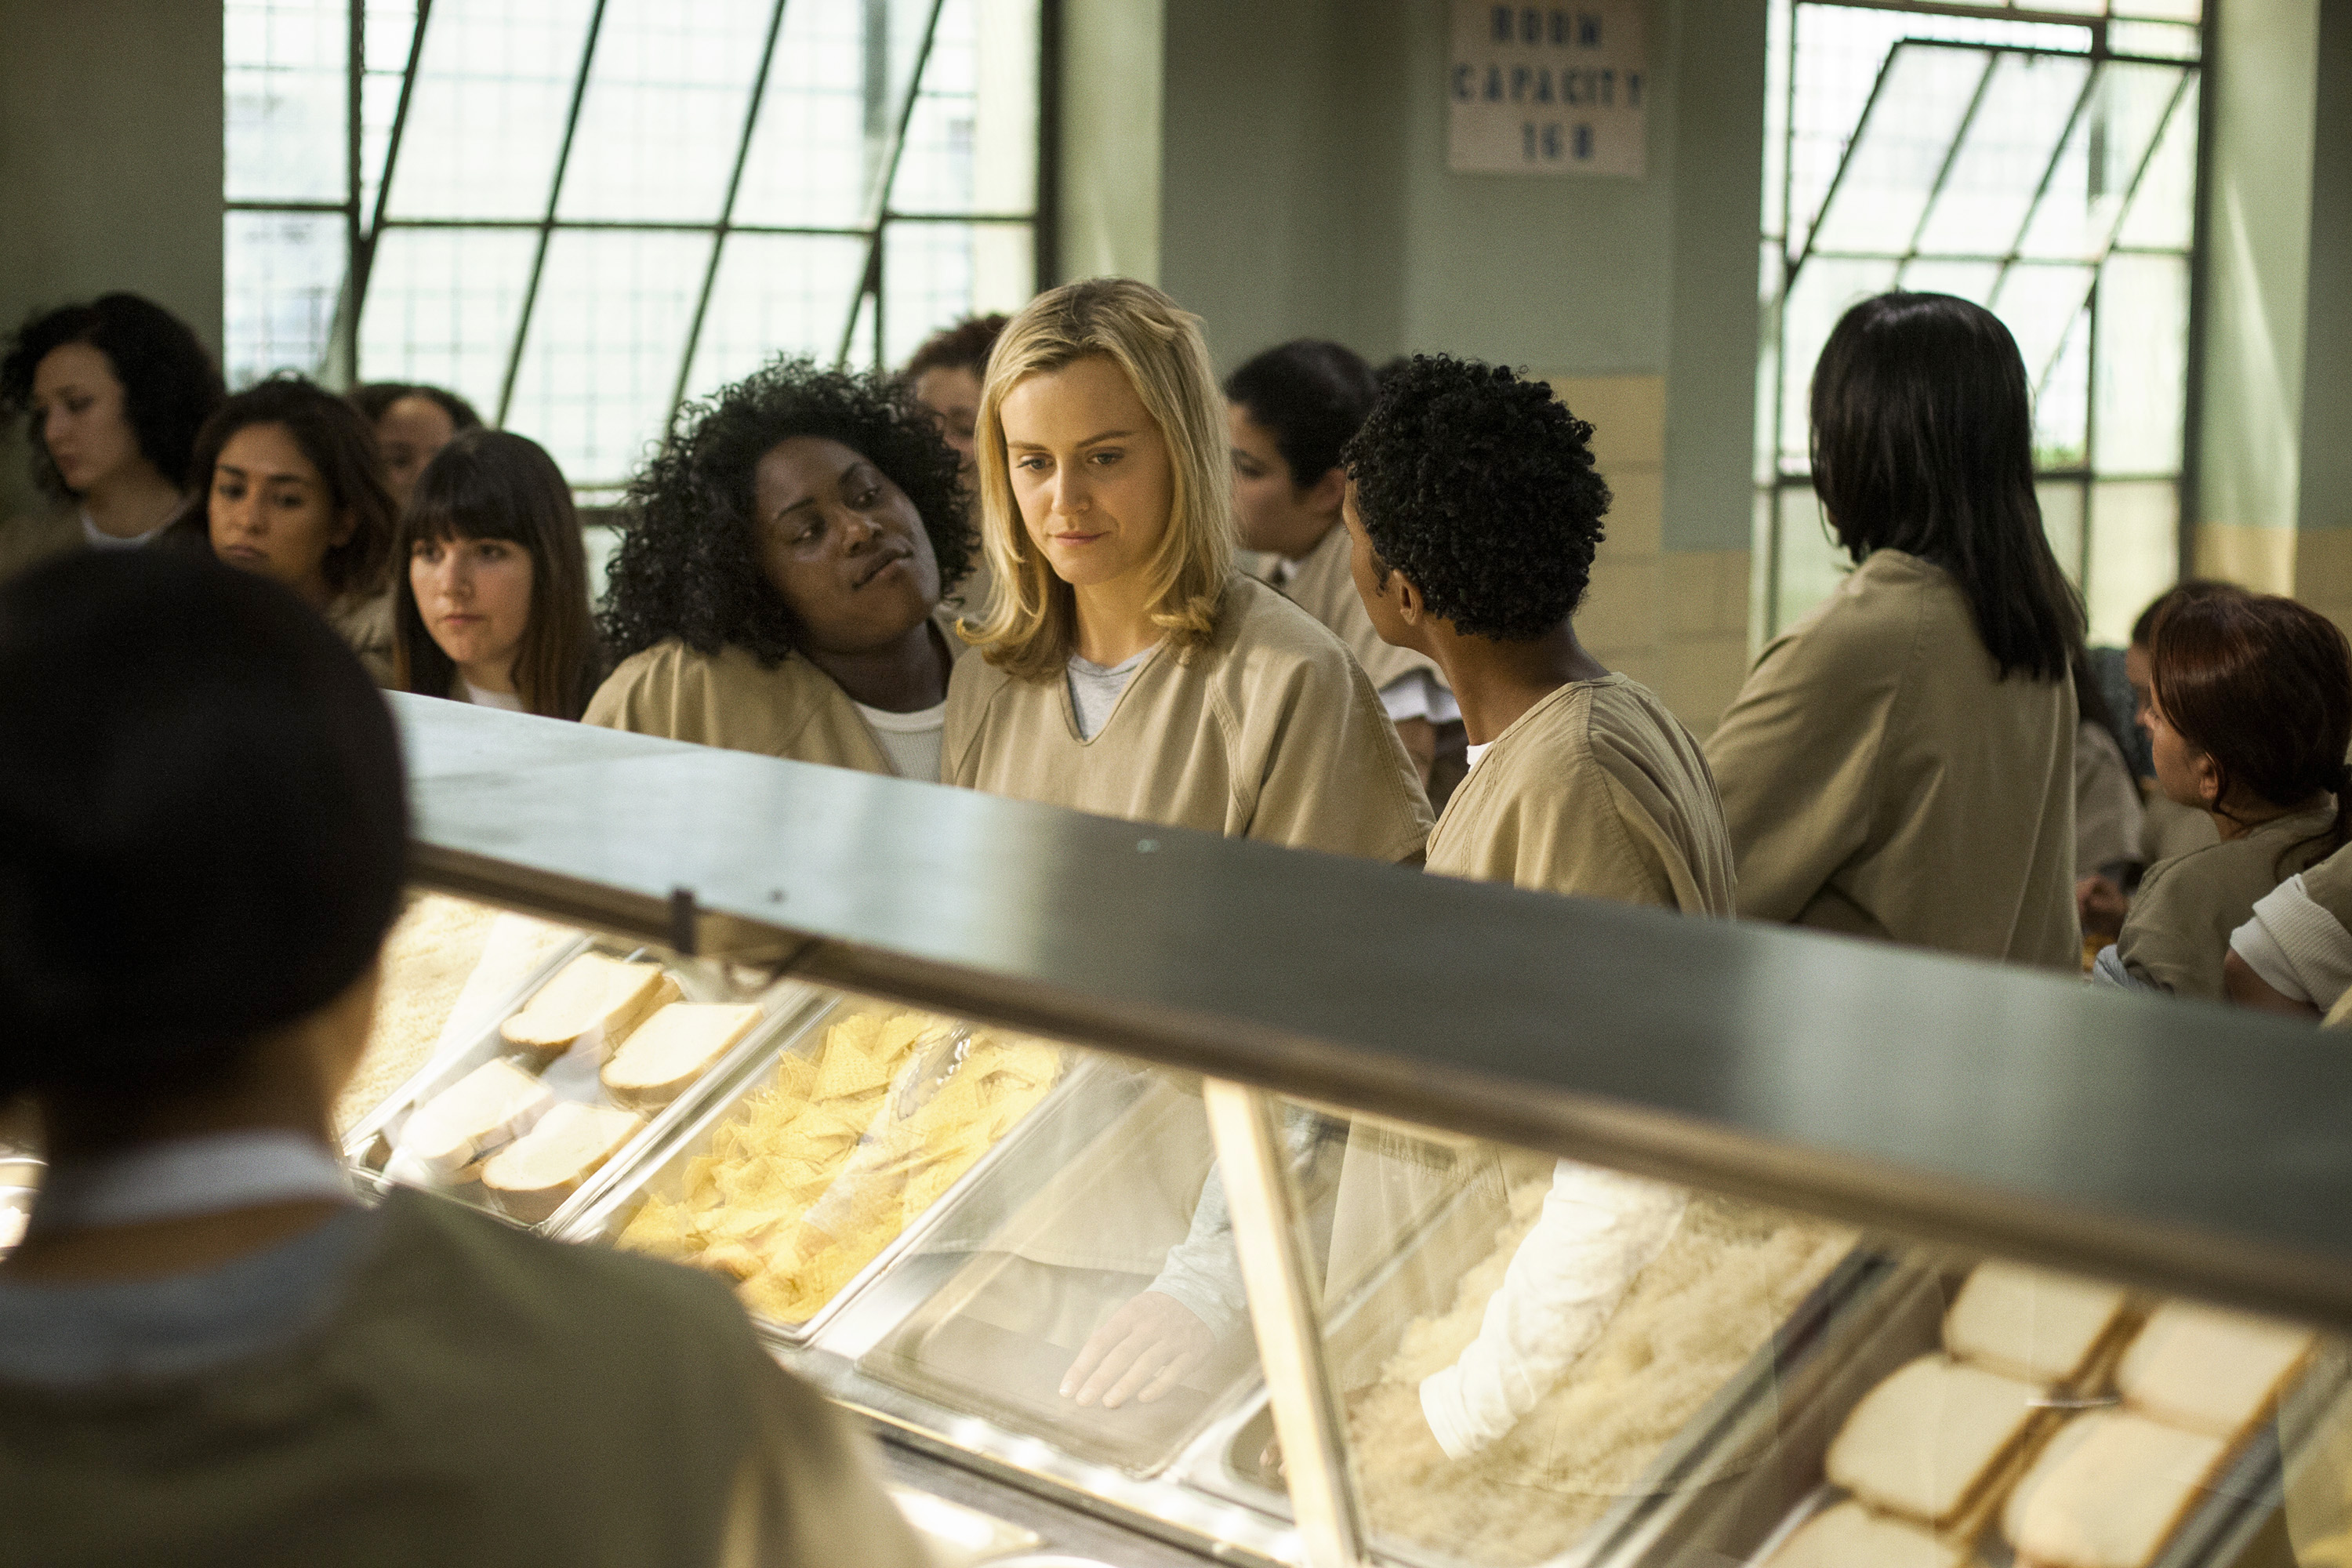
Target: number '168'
[1551, 140]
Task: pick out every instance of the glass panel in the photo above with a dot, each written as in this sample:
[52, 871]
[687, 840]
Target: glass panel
[1811, 563]
[1973, 281]
[2163, 40]
[937, 273]
[1770, 262]
[2062, 524]
[287, 66]
[606, 336]
[495, 74]
[2135, 552]
[936, 171]
[1823, 291]
[2164, 209]
[861, 335]
[1890, 169]
[2000, 163]
[775, 294]
[2143, 367]
[2078, 212]
[1778, 20]
[831, 104]
[391, 26]
[971, 145]
[2038, 304]
[441, 305]
[2168, 10]
[2061, 401]
[664, 111]
[284, 275]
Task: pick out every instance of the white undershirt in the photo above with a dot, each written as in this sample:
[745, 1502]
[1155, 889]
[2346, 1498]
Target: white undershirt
[1094, 689]
[482, 697]
[98, 538]
[1475, 752]
[915, 743]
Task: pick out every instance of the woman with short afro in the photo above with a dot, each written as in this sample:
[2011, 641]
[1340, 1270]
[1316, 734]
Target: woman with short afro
[780, 589]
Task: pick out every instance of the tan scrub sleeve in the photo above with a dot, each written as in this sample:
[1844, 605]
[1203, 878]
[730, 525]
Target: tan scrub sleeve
[729, 699]
[2177, 935]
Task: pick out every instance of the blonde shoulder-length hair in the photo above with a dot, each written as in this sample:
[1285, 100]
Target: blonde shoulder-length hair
[1031, 626]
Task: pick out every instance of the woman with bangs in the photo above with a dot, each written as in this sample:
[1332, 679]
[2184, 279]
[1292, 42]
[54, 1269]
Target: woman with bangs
[492, 608]
[779, 590]
[1127, 668]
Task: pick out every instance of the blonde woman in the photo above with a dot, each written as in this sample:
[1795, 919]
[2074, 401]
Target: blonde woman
[1126, 668]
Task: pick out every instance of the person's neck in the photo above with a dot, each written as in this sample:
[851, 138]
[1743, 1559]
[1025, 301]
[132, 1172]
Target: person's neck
[1114, 620]
[2242, 817]
[1299, 546]
[906, 675]
[495, 676]
[130, 505]
[1496, 682]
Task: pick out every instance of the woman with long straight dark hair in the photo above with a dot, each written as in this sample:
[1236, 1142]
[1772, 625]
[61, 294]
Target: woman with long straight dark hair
[490, 589]
[1901, 762]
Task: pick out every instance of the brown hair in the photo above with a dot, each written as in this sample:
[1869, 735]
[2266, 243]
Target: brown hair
[1031, 626]
[964, 346]
[2262, 686]
[339, 443]
[494, 484]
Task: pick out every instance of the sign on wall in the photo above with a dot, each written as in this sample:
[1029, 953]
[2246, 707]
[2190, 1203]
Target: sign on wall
[1547, 89]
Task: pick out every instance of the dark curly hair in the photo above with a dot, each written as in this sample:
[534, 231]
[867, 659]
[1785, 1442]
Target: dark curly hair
[688, 564]
[170, 384]
[1480, 487]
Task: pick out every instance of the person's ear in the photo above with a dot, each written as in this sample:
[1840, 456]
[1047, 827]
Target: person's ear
[2209, 780]
[1326, 493]
[1410, 605]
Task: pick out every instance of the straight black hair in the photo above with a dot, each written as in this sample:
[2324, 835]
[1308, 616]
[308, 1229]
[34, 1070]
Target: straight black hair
[494, 484]
[202, 834]
[1923, 442]
[1312, 395]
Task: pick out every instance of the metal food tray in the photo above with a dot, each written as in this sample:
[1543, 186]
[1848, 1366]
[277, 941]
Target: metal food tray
[602, 1217]
[1747, 1519]
[369, 1145]
[1832, 1328]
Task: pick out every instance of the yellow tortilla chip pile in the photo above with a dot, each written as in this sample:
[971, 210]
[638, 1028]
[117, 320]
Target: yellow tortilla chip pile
[816, 1173]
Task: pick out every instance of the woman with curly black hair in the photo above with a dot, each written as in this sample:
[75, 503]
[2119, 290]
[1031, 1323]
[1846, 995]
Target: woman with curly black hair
[779, 590]
[1474, 511]
[1900, 763]
[117, 389]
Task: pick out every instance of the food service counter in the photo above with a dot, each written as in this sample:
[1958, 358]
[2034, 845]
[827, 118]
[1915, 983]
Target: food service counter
[1700, 1244]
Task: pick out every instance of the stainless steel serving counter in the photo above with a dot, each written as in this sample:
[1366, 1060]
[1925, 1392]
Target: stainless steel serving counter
[2167, 1144]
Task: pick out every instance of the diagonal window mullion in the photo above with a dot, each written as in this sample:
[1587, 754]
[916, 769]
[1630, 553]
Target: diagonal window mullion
[547, 223]
[725, 212]
[1944, 169]
[363, 264]
[877, 207]
[1845, 161]
[2049, 174]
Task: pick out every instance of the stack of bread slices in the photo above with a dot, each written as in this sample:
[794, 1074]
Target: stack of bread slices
[2052, 1407]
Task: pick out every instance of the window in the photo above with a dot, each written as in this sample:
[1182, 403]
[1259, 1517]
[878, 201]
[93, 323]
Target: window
[2046, 168]
[578, 214]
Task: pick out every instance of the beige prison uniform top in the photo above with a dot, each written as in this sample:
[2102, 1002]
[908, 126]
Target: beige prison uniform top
[364, 621]
[731, 699]
[1596, 791]
[480, 1398]
[27, 541]
[1323, 583]
[1270, 732]
[2169, 830]
[2177, 931]
[1878, 779]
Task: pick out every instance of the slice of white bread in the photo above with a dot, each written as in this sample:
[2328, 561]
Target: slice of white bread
[1929, 1440]
[2212, 1371]
[2024, 1323]
[2108, 1491]
[1849, 1536]
[530, 1177]
[591, 992]
[669, 1050]
[488, 1107]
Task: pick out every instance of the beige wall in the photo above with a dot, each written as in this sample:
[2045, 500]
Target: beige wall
[110, 165]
